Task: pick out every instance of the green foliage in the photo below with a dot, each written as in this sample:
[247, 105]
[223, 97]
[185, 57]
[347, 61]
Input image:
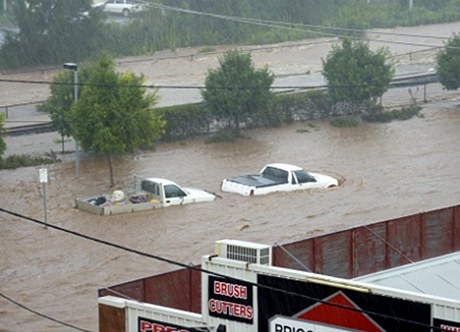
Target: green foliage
[237, 92]
[347, 122]
[361, 14]
[355, 74]
[402, 114]
[56, 31]
[113, 115]
[51, 31]
[16, 161]
[61, 100]
[184, 121]
[289, 107]
[448, 64]
[191, 120]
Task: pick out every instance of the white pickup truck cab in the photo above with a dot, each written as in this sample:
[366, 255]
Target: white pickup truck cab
[167, 192]
[277, 177]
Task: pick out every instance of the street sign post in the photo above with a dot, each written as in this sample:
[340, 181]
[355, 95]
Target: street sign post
[43, 175]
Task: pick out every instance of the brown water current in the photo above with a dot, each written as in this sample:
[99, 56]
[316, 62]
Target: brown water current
[386, 171]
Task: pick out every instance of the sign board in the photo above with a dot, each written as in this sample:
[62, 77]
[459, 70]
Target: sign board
[149, 325]
[288, 305]
[446, 325]
[230, 300]
[285, 324]
[43, 174]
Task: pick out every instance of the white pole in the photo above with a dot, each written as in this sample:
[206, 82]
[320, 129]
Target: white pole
[411, 4]
[74, 67]
[43, 176]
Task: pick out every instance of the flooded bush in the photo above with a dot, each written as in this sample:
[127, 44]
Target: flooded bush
[15, 161]
[404, 113]
[344, 122]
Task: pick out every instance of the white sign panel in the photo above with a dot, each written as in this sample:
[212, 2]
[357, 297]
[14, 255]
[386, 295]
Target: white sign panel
[43, 172]
[286, 324]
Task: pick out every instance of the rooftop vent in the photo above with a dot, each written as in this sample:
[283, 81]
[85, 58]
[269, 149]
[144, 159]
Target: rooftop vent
[244, 251]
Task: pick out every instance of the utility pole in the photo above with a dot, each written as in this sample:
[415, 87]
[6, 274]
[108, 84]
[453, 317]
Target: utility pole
[411, 4]
[74, 67]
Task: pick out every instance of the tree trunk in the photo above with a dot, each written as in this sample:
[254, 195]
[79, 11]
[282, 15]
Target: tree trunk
[237, 123]
[109, 158]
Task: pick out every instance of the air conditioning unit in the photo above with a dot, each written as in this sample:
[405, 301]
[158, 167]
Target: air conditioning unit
[244, 251]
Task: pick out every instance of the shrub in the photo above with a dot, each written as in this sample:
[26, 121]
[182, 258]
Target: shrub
[404, 113]
[344, 122]
[15, 161]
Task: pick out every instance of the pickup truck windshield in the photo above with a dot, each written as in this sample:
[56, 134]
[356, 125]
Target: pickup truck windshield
[276, 174]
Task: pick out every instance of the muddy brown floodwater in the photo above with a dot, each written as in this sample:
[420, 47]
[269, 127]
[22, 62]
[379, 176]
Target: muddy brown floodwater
[387, 170]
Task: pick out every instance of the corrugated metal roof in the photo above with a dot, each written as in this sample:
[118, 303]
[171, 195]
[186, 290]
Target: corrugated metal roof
[437, 276]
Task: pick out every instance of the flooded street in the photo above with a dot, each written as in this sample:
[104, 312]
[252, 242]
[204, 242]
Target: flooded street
[386, 171]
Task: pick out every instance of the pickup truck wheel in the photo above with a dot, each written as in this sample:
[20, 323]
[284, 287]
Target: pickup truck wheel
[125, 12]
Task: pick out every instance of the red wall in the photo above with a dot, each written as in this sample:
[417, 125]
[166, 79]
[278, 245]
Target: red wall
[375, 247]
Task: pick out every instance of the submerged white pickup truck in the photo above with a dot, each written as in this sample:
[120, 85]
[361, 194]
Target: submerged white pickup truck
[153, 193]
[277, 177]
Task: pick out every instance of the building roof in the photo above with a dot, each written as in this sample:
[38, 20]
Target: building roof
[438, 276]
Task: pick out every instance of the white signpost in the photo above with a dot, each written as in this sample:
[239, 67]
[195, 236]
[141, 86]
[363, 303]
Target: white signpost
[43, 175]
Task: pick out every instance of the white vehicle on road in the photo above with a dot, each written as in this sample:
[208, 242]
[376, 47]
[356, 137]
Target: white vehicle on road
[277, 177]
[123, 7]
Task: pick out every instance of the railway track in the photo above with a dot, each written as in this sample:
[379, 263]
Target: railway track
[35, 128]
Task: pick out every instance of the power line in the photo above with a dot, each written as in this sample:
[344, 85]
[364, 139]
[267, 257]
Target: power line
[297, 27]
[244, 19]
[226, 277]
[194, 87]
[60, 322]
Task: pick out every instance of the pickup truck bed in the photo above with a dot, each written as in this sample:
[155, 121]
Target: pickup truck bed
[256, 180]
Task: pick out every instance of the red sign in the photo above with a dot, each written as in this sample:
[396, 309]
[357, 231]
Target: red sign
[339, 315]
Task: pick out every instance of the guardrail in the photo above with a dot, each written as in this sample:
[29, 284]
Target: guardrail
[42, 127]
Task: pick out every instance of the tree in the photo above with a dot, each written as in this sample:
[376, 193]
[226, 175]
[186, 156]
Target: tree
[448, 64]
[113, 114]
[52, 31]
[61, 100]
[236, 92]
[357, 75]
